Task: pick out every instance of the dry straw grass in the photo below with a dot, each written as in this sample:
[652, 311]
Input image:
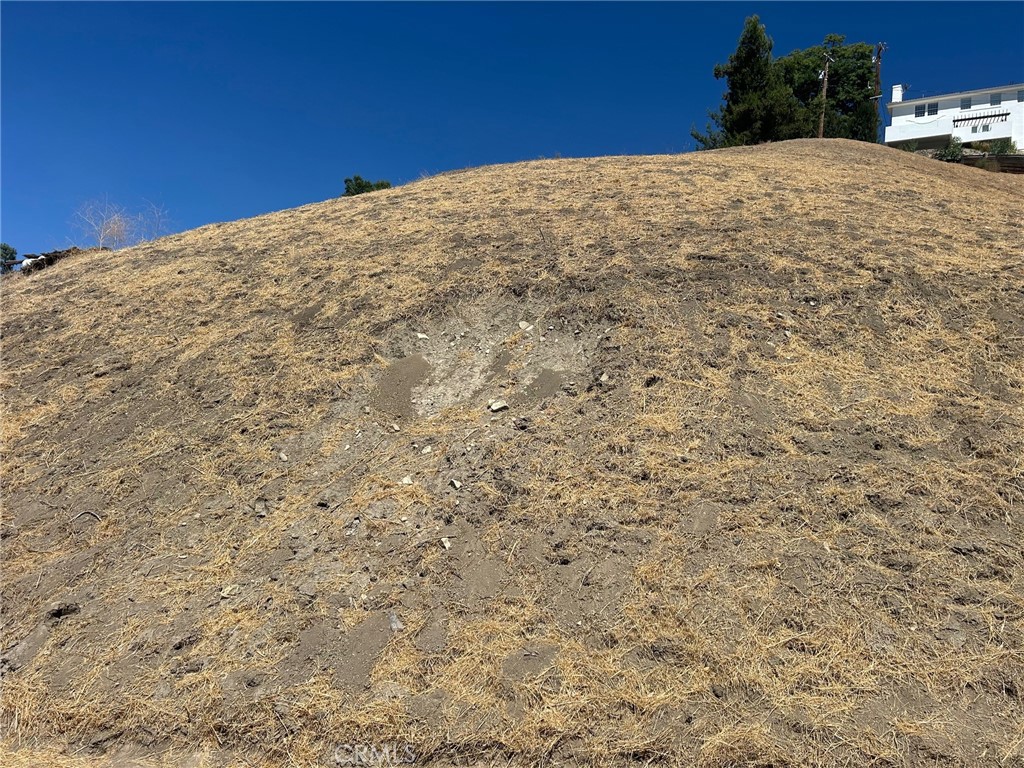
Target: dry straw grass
[772, 515]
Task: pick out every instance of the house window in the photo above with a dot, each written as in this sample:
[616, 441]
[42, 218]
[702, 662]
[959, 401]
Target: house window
[1020, 95]
[965, 102]
[974, 129]
[995, 99]
[919, 110]
[933, 108]
[986, 128]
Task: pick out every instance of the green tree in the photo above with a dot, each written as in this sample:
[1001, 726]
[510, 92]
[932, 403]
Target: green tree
[757, 102]
[7, 255]
[850, 111]
[774, 100]
[357, 185]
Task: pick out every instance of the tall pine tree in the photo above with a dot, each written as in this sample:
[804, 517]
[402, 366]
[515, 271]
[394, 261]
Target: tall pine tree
[757, 102]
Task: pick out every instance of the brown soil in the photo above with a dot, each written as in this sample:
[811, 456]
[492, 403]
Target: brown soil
[756, 498]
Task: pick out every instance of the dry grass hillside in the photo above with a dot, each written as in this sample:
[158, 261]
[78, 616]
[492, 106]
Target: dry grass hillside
[757, 496]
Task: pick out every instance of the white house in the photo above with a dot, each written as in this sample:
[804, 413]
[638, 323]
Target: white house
[981, 115]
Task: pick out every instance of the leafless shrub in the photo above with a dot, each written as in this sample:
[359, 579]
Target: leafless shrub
[111, 225]
[152, 222]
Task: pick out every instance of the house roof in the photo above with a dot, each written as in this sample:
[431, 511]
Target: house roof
[957, 95]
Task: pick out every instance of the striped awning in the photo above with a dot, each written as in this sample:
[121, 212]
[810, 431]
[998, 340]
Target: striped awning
[982, 118]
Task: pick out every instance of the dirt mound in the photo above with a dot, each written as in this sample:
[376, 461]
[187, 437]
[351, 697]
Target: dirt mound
[710, 459]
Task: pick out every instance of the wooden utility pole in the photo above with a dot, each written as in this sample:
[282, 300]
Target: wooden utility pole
[824, 95]
[879, 49]
[879, 114]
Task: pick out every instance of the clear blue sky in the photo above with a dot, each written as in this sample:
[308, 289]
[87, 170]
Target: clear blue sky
[219, 111]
